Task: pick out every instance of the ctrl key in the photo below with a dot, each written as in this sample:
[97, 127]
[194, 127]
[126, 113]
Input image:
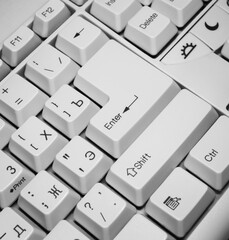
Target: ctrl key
[14, 226]
[179, 201]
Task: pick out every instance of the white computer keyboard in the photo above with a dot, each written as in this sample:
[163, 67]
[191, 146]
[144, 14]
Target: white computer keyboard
[114, 120]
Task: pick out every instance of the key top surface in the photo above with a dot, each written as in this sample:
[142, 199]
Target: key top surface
[175, 205]
[133, 92]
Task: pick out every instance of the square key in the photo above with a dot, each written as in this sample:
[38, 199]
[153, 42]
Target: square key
[47, 200]
[36, 144]
[179, 201]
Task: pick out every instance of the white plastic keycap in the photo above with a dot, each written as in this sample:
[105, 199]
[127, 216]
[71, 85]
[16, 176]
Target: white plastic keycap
[49, 69]
[36, 144]
[15, 226]
[6, 130]
[19, 99]
[50, 17]
[131, 91]
[161, 147]
[103, 212]
[64, 230]
[209, 159]
[212, 28]
[81, 164]
[139, 227]
[19, 45]
[13, 179]
[179, 11]
[115, 13]
[47, 200]
[175, 205]
[80, 40]
[150, 30]
[69, 111]
[215, 223]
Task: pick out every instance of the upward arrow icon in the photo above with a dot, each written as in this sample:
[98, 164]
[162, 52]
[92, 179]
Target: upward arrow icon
[131, 172]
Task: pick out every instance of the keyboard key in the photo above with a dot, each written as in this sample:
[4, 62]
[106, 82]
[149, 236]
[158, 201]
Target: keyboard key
[150, 30]
[13, 179]
[81, 164]
[47, 200]
[130, 104]
[36, 144]
[215, 224]
[19, 45]
[50, 17]
[80, 40]
[69, 111]
[115, 13]
[179, 11]
[6, 130]
[19, 99]
[14, 226]
[189, 48]
[103, 212]
[209, 158]
[49, 69]
[175, 206]
[4, 69]
[153, 156]
[139, 227]
[64, 230]
[212, 28]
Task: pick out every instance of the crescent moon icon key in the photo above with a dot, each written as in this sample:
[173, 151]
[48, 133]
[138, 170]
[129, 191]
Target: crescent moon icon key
[212, 28]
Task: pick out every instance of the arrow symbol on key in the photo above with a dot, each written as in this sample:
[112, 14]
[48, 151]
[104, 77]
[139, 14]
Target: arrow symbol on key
[127, 108]
[78, 33]
[131, 171]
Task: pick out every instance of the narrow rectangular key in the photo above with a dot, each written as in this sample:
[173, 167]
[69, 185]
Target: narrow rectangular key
[179, 11]
[19, 45]
[139, 227]
[115, 13]
[209, 159]
[179, 201]
[15, 226]
[13, 179]
[103, 212]
[47, 200]
[6, 130]
[81, 164]
[36, 144]
[131, 91]
[69, 111]
[80, 40]
[50, 17]
[150, 30]
[64, 230]
[49, 69]
[19, 99]
[161, 147]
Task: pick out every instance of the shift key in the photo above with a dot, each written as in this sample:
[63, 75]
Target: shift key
[161, 147]
[131, 92]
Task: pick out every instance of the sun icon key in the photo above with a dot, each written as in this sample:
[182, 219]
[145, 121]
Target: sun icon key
[187, 49]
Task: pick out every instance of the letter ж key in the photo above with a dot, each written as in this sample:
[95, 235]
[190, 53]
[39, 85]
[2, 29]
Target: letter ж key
[131, 91]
